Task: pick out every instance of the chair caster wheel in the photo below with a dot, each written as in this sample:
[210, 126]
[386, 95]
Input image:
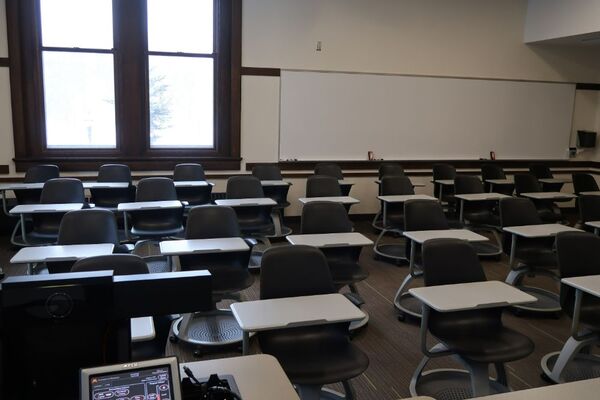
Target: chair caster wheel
[197, 354]
[401, 317]
[173, 339]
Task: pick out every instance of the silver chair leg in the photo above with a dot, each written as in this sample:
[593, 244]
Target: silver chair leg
[348, 390]
[309, 392]
[570, 350]
[501, 374]
[403, 288]
[480, 379]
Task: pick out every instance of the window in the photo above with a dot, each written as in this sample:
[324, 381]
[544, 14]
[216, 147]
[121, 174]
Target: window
[181, 73]
[145, 82]
[78, 73]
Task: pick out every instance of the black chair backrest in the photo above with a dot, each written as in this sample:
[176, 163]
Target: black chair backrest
[121, 264]
[329, 169]
[189, 172]
[322, 186]
[243, 187]
[526, 183]
[290, 271]
[62, 190]
[450, 261]
[540, 171]
[35, 174]
[396, 185]
[324, 217]
[88, 226]
[229, 270]
[114, 173]
[578, 254]
[492, 171]
[390, 169]
[211, 222]
[584, 183]
[155, 189]
[589, 208]
[467, 184]
[112, 197]
[423, 215]
[41, 173]
[443, 171]
[267, 172]
[517, 212]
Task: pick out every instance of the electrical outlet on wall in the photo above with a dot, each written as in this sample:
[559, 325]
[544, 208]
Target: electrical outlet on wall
[319, 45]
[572, 152]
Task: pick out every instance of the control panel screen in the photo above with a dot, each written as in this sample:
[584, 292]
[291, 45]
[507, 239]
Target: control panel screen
[140, 384]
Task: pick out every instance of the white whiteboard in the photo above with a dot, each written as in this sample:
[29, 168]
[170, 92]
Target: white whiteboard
[341, 116]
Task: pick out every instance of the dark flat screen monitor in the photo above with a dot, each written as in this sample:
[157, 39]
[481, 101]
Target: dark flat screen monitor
[53, 325]
[586, 139]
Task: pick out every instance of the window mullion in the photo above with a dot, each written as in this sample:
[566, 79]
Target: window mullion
[130, 76]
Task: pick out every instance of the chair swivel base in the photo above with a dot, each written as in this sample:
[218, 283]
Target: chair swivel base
[212, 328]
[486, 249]
[407, 305]
[547, 302]
[314, 392]
[358, 302]
[449, 384]
[582, 366]
[395, 253]
[377, 222]
[285, 231]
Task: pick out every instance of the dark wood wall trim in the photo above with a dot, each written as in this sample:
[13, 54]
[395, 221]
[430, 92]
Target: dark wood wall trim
[4, 169]
[428, 164]
[587, 86]
[4, 62]
[77, 164]
[261, 71]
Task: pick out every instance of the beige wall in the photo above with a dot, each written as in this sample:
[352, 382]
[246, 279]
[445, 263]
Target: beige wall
[467, 38]
[552, 19]
[472, 38]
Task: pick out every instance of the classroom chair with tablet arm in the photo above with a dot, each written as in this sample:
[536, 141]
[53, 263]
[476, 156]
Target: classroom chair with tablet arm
[316, 355]
[579, 265]
[229, 272]
[474, 335]
[528, 255]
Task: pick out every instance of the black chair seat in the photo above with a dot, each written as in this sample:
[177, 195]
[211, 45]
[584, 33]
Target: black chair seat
[314, 355]
[346, 272]
[482, 217]
[547, 214]
[394, 220]
[490, 346]
[156, 232]
[258, 228]
[230, 280]
[590, 310]
[536, 253]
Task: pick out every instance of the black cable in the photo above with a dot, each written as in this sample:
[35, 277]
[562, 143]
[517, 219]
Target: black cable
[190, 375]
